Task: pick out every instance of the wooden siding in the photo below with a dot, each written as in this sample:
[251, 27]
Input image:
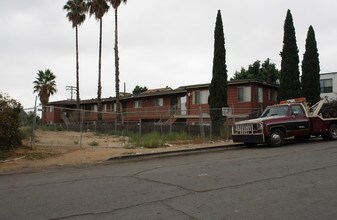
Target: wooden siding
[148, 110]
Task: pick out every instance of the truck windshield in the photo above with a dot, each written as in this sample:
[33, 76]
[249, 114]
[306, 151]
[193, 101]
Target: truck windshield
[275, 110]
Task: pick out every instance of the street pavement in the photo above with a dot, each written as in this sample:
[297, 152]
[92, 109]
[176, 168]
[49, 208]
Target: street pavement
[296, 181]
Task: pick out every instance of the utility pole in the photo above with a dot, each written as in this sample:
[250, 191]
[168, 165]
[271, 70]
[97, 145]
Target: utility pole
[72, 90]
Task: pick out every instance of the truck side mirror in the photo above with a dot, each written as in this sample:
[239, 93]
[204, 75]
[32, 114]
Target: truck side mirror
[295, 113]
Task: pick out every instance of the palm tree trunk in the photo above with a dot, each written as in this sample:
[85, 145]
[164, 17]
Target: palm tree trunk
[77, 77]
[117, 67]
[44, 101]
[44, 114]
[99, 90]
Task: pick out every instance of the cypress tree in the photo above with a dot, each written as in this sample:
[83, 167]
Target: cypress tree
[218, 87]
[310, 69]
[290, 86]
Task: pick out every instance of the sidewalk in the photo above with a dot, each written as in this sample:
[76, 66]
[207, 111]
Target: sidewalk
[186, 149]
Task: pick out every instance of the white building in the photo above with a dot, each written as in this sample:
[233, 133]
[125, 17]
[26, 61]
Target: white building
[328, 83]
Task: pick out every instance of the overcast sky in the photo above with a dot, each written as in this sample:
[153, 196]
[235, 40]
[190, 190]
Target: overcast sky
[161, 43]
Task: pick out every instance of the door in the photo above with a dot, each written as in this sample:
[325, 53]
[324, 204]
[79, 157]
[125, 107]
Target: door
[298, 121]
[183, 105]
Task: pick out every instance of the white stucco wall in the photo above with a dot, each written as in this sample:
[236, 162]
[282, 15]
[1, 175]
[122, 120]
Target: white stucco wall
[332, 76]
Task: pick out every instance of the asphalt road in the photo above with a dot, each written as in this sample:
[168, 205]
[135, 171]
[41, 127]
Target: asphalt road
[296, 181]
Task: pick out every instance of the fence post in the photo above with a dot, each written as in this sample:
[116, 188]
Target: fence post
[140, 126]
[32, 139]
[210, 130]
[202, 130]
[81, 127]
[227, 131]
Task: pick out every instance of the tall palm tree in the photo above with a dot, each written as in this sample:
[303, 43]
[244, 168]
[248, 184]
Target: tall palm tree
[44, 86]
[115, 4]
[98, 8]
[76, 10]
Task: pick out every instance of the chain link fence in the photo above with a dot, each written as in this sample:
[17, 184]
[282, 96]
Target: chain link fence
[78, 124]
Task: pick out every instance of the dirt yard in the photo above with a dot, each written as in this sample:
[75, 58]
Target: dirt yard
[65, 148]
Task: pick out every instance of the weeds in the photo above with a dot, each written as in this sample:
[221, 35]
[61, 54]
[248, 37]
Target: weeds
[93, 143]
[155, 139]
[26, 132]
[51, 128]
[40, 155]
[3, 155]
[28, 153]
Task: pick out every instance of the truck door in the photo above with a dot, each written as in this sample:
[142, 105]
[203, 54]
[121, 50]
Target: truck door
[299, 122]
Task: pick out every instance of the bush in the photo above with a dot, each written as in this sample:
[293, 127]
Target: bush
[26, 132]
[93, 143]
[10, 135]
[52, 128]
[152, 140]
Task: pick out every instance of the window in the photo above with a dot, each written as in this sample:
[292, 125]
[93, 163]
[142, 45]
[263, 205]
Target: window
[87, 109]
[201, 97]
[113, 107]
[259, 94]
[272, 96]
[158, 102]
[297, 110]
[244, 94]
[95, 108]
[281, 110]
[326, 85]
[50, 108]
[138, 104]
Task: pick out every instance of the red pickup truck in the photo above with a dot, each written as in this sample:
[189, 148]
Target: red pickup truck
[287, 119]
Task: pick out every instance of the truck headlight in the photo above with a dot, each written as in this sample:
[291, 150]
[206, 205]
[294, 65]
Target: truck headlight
[257, 127]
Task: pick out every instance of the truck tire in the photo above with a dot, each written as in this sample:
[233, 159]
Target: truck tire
[325, 137]
[333, 113]
[325, 113]
[333, 132]
[276, 138]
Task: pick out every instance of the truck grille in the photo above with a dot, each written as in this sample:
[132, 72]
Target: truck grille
[249, 128]
[243, 129]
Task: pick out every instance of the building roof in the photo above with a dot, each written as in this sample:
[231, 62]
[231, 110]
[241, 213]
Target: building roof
[331, 73]
[153, 93]
[158, 92]
[232, 82]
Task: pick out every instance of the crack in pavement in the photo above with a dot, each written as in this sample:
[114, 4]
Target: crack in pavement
[177, 210]
[189, 192]
[241, 184]
[267, 179]
[126, 207]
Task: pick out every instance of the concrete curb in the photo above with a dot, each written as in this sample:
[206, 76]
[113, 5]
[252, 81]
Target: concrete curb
[179, 152]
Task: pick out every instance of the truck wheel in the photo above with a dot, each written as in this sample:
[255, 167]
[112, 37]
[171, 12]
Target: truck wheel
[333, 132]
[325, 137]
[333, 113]
[276, 138]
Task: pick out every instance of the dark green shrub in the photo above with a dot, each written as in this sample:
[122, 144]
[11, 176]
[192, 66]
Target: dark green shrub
[10, 135]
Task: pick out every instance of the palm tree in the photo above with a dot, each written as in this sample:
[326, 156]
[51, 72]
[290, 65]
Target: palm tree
[44, 86]
[115, 4]
[99, 8]
[76, 10]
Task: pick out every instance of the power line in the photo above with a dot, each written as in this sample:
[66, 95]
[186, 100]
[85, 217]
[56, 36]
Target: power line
[72, 90]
